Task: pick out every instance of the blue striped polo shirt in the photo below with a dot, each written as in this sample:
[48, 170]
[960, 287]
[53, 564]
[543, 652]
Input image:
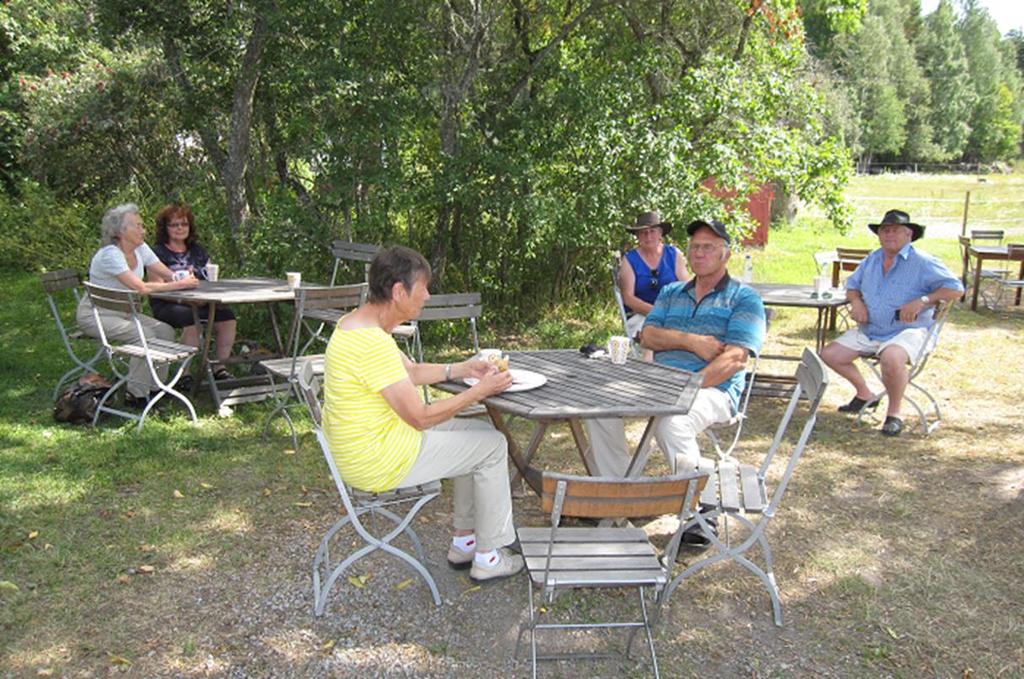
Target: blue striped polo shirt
[732, 312]
[912, 275]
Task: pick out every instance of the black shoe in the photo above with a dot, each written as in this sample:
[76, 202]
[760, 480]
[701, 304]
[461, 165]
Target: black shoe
[858, 404]
[695, 539]
[892, 426]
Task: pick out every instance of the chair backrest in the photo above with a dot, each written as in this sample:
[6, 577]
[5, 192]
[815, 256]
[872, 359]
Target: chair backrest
[310, 305]
[450, 307]
[993, 235]
[56, 282]
[1015, 250]
[918, 362]
[120, 301]
[347, 251]
[613, 269]
[823, 260]
[849, 257]
[309, 390]
[811, 382]
[608, 498]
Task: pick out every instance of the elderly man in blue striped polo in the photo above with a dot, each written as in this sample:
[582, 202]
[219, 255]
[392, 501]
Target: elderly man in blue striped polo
[709, 324]
[892, 295]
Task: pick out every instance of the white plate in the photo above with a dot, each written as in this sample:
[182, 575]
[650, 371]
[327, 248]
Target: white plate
[522, 380]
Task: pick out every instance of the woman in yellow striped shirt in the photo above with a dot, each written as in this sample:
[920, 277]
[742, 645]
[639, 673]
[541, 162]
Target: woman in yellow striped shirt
[383, 436]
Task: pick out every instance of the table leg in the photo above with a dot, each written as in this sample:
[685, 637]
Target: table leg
[1020, 277]
[819, 329]
[522, 462]
[643, 451]
[205, 360]
[582, 445]
[198, 366]
[277, 330]
[834, 311]
[977, 282]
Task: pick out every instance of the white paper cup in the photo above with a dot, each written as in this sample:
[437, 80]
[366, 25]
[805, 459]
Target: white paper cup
[618, 349]
[294, 279]
[212, 272]
[179, 275]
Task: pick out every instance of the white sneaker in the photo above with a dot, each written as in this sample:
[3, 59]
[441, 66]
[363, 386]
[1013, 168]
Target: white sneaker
[458, 559]
[508, 563]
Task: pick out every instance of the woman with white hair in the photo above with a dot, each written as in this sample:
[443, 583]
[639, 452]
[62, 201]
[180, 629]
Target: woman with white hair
[120, 263]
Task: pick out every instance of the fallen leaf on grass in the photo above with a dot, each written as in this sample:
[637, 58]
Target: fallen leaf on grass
[119, 660]
[44, 672]
[8, 585]
[474, 588]
[289, 451]
[267, 492]
[145, 569]
[891, 633]
[302, 504]
[327, 646]
[33, 534]
[305, 491]
[204, 485]
[146, 547]
[358, 580]
[122, 579]
[403, 584]
[178, 495]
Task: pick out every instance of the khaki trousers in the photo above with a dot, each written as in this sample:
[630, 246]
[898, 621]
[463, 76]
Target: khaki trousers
[474, 455]
[119, 327]
[676, 435]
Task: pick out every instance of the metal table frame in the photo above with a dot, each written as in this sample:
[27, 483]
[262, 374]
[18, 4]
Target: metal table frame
[581, 388]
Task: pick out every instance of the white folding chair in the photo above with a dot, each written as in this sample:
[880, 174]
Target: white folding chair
[917, 364]
[317, 311]
[740, 491]
[359, 505]
[560, 558]
[1007, 284]
[57, 284]
[736, 421]
[155, 352]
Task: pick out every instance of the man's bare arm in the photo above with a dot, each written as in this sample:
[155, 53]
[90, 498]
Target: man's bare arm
[732, 359]
[666, 339]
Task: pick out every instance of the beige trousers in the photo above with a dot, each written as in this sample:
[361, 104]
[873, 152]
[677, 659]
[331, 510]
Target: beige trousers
[474, 455]
[119, 327]
[676, 435]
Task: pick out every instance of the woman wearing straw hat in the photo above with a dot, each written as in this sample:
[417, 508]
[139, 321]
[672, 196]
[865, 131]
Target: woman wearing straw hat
[653, 264]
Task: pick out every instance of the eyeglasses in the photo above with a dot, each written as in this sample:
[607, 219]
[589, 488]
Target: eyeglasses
[178, 222]
[703, 247]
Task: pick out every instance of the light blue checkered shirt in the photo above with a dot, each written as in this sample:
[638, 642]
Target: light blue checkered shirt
[912, 275]
[732, 312]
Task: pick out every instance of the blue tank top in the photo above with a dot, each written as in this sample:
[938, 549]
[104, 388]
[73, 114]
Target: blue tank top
[649, 282]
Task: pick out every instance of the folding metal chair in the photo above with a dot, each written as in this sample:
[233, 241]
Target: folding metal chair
[560, 558]
[740, 491]
[316, 311]
[346, 251]
[737, 420]
[1015, 251]
[154, 352]
[358, 505]
[917, 364]
[55, 283]
[613, 270]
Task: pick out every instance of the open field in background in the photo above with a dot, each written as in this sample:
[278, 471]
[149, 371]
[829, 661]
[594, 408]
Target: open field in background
[185, 551]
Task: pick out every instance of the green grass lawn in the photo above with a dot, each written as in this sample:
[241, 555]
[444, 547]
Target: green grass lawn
[185, 550]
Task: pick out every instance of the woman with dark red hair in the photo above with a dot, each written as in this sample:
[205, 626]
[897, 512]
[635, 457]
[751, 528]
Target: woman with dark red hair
[177, 248]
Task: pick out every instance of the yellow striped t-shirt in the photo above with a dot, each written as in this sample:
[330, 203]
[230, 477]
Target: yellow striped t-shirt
[373, 447]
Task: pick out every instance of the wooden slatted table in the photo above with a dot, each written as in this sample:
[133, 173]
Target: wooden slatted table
[580, 388]
[236, 292]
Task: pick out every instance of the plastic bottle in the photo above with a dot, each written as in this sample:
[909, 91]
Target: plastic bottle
[748, 269]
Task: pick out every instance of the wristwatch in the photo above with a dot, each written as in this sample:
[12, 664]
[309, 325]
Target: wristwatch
[925, 300]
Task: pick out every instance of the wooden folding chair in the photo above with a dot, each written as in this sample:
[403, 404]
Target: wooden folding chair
[347, 252]
[917, 364]
[358, 506]
[56, 284]
[561, 558]
[740, 491]
[154, 352]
